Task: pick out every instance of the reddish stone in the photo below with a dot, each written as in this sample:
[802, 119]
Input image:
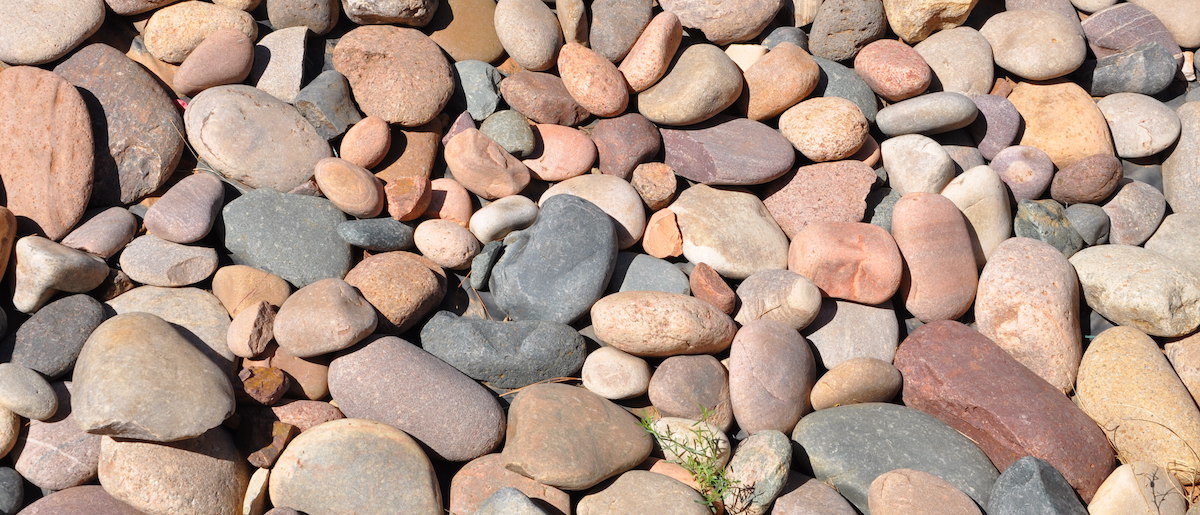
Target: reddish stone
[625, 142]
[959, 376]
[728, 151]
[708, 286]
[542, 97]
[408, 197]
[484, 167]
[939, 263]
[592, 80]
[689, 386]
[662, 238]
[370, 55]
[848, 260]
[483, 476]
[367, 142]
[416, 156]
[307, 379]
[822, 192]
[305, 414]
[1088, 181]
[893, 70]
[264, 385]
[1123, 27]
[562, 153]
[402, 286]
[449, 200]
[80, 499]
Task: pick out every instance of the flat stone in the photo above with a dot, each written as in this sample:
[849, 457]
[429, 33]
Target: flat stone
[407, 403]
[26, 392]
[414, 13]
[368, 54]
[1141, 126]
[50, 341]
[224, 57]
[146, 475]
[1061, 120]
[997, 127]
[377, 234]
[839, 81]
[187, 211]
[194, 313]
[616, 24]
[856, 381]
[1147, 69]
[239, 287]
[961, 59]
[846, 330]
[932, 113]
[1035, 44]
[175, 31]
[1030, 481]
[38, 34]
[908, 491]
[615, 374]
[292, 236]
[733, 151]
[702, 83]
[843, 27]
[43, 268]
[1180, 180]
[103, 234]
[1008, 411]
[542, 97]
[504, 354]
[915, 164]
[132, 402]
[781, 295]
[279, 62]
[731, 231]
[771, 373]
[326, 102]
[56, 454]
[1139, 288]
[376, 278]
[478, 85]
[825, 128]
[1090, 180]
[940, 274]
[625, 321]
[352, 188]
[158, 262]
[1046, 220]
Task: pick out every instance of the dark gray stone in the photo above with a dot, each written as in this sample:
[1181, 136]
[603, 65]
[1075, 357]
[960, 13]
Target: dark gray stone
[1046, 220]
[1148, 173]
[12, 491]
[840, 81]
[481, 265]
[880, 202]
[1090, 221]
[377, 234]
[931, 113]
[1033, 487]
[292, 236]
[1147, 69]
[640, 272]
[793, 35]
[512, 131]
[558, 267]
[504, 354]
[842, 27]
[849, 446]
[477, 88]
[508, 501]
[50, 341]
[616, 25]
[327, 105]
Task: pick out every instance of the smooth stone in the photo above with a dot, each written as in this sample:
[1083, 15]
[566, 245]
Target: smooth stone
[592, 80]
[1030, 481]
[187, 211]
[893, 70]
[503, 216]
[195, 313]
[727, 151]
[323, 317]
[1113, 29]
[377, 234]
[146, 475]
[56, 454]
[367, 57]
[43, 268]
[849, 446]
[292, 236]
[852, 261]
[804, 494]
[478, 83]
[542, 97]
[1061, 120]
[1128, 387]
[1091, 222]
[414, 13]
[961, 59]
[326, 102]
[982, 197]
[1028, 304]
[350, 187]
[817, 193]
[572, 17]
[731, 231]
[1176, 240]
[913, 491]
[558, 267]
[692, 387]
[652, 52]
[50, 341]
[477, 481]
[856, 381]
[932, 113]
[615, 374]
[26, 393]
[509, 500]
[504, 354]
[49, 176]
[1035, 44]
[1008, 411]
[476, 427]
[616, 25]
[10, 427]
[641, 491]
[760, 463]
[1180, 179]
[781, 295]
[934, 240]
[825, 128]
[840, 81]
[780, 79]
[771, 373]
[1090, 180]
[794, 35]
[224, 57]
[846, 330]
[158, 262]
[624, 142]
[640, 272]
[1140, 288]
[562, 153]
[1027, 170]
[915, 20]
[36, 33]
[571, 453]
[1141, 126]
[1174, 15]
[702, 82]
[485, 168]
[1134, 213]
[239, 287]
[659, 324]
[1046, 220]
[79, 499]
[843, 27]
[997, 127]
[173, 32]
[367, 142]
[1139, 487]
[916, 164]
[448, 200]
[466, 30]
[725, 23]
[1147, 69]
[399, 309]
[12, 490]
[529, 32]
[319, 16]
[279, 62]
[132, 402]
[103, 234]
[512, 131]
[1182, 354]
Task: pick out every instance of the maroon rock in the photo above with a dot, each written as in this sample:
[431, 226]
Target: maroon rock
[684, 386]
[964, 379]
[998, 125]
[1088, 181]
[1123, 27]
[90, 499]
[542, 97]
[823, 192]
[734, 151]
[625, 142]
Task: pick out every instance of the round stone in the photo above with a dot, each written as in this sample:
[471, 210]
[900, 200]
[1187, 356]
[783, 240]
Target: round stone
[771, 373]
[893, 70]
[484, 167]
[187, 211]
[1141, 126]
[780, 295]
[542, 97]
[703, 82]
[368, 56]
[825, 128]
[1027, 171]
[376, 278]
[614, 374]
[26, 393]
[1136, 287]
[529, 32]
[446, 243]
[564, 153]
[224, 57]
[158, 262]
[856, 381]
[37, 33]
[781, 79]
[326, 316]
[350, 187]
[842, 27]
[961, 60]
[847, 260]
[1062, 120]
[651, 54]
[205, 474]
[1035, 44]
[367, 142]
[495, 220]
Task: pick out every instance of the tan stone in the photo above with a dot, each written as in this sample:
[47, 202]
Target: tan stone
[1061, 120]
[174, 31]
[592, 80]
[658, 324]
[1138, 487]
[350, 187]
[446, 243]
[650, 56]
[781, 79]
[369, 55]
[483, 476]
[908, 491]
[251, 330]
[466, 29]
[408, 197]
[825, 128]
[847, 260]
[855, 381]
[983, 199]
[198, 475]
[402, 286]
[326, 316]
[915, 20]
[240, 287]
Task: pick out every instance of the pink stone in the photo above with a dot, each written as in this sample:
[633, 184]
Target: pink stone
[822, 192]
[893, 69]
[848, 260]
[940, 275]
[564, 152]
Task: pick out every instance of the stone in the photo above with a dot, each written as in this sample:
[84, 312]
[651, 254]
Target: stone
[146, 475]
[89, 498]
[616, 197]
[817, 193]
[56, 454]
[939, 273]
[465, 30]
[804, 494]
[982, 197]
[502, 216]
[840, 81]
[504, 354]
[1128, 387]
[1174, 240]
[1061, 120]
[306, 379]
[132, 402]
[10, 427]
[782, 78]
[841, 28]
[326, 316]
[781, 295]
[911, 491]
[624, 321]
[702, 82]
[38, 34]
[1174, 16]
[448, 200]
[615, 374]
[26, 392]
[414, 13]
[266, 386]
[887, 437]
[725, 23]
[510, 500]
[731, 231]
[1091, 222]
[225, 56]
[475, 428]
[548, 274]
[50, 341]
[473, 486]
[376, 278]
[1147, 69]
[572, 17]
[279, 62]
[1046, 220]
[640, 272]
[893, 70]
[104, 233]
[1157, 299]
[158, 262]
[512, 131]
[1027, 171]
[542, 97]
[327, 104]
[1139, 486]
[1181, 183]
[997, 127]
[377, 234]
[1141, 126]
[855, 381]
[662, 238]
[727, 151]
[365, 54]
[572, 453]
[761, 465]
[1115, 29]
[195, 313]
[1030, 481]
[915, 20]
[592, 80]
[187, 211]
[825, 128]
[932, 113]
[478, 86]
[252, 330]
[641, 491]
[484, 167]
[1028, 304]
[1134, 213]
[366, 142]
[616, 25]
[961, 60]
[651, 54]
[49, 177]
[562, 153]
[846, 330]
[350, 187]
[1090, 180]
[624, 142]
[239, 287]
[771, 372]
[529, 32]
[1035, 44]
[12, 490]
[708, 286]
[915, 164]
[175, 31]
[292, 236]
[44, 268]
[319, 16]
[446, 243]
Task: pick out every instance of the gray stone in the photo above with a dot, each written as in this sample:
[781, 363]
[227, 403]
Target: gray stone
[850, 446]
[1090, 221]
[1180, 172]
[50, 341]
[26, 393]
[793, 35]
[481, 265]
[1126, 26]
[961, 60]
[327, 105]
[840, 81]
[12, 491]
[1031, 485]
[155, 261]
[616, 25]
[845, 330]
[377, 234]
[932, 113]
[292, 236]
[478, 85]
[640, 272]
[1147, 69]
[842, 27]
[761, 463]
[558, 267]
[879, 207]
[1046, 220]
[1141, 126]
[508, 501]
[279, 63]
[320, 16]
[512, 131]
[504, 354]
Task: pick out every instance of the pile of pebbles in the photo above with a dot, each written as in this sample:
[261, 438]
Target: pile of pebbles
[468, 256]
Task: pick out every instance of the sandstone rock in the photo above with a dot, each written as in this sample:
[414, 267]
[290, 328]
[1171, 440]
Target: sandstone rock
[366, 54]
[150, 476]
[961, 59]
[852, 261]
[641, 491]
[478, 480]
[781, 79]
[415, 13]
[158, 262]
[614, 374]
[240, 287]
[733, 151]
[771, 372]
[731, 231]
[841, 28]
[563, 153]
[725, 23]
[1089, 180]
[1139, 288]
[856, 381]
[651, 54]
[326, 316]
[592, 80]
[915, 20]
[657, 324]
[529, 32]
[485, 168]
[36, 33]
[825, 128]
[224, 57]
[1035, 44]
[402, 286]
[103, 234]
[1062, 120]
[911, 491]
[940, 279]
[542, 97]
[616, 24]
[702, 82]
[175, 31]
[1138, 486]
[43, 268]
[187, 211]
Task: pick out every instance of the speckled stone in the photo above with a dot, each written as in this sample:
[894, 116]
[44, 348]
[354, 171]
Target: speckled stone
[1046, 220]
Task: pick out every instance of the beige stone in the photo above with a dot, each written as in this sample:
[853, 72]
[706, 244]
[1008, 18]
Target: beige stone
[1062, 120]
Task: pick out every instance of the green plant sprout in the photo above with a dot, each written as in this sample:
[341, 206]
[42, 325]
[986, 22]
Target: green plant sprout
[699, 452]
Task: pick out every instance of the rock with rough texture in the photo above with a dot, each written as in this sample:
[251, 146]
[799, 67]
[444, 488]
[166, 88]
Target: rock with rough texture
[702, 82]
[771, 372]
[725, 23]
[327, 104]
[158, 262]
[36, 33]
[1147, 69]
[403, 287]
[476, 482]
[916, 163]
[504, 354]
[1089, 180]
[915, 20]
[132, 402]
[940, 275]
[1046, 220]
[1062, 120]
[50, 341]
[57, 454]
[658, 324]
[819, 193]
[366, 54]
[893, 70]
[731, 231]
[292, 236]
[173, 32]
[43, 268]
[571, 453]
[760, 464]
[224, 57]
[782, 78]
[414, 13]
[279, 62]
[147, 475]
[825, 128]
[592, 80]
[624, 142]
[843, 27]
[319, 16]
[733, 151]
[1139, 288]
[1032, 482]
[1139, 487]
[79, 499]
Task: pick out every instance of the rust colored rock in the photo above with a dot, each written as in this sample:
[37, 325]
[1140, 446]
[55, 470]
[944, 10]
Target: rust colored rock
[408, 197]
[1088, 181]
[402, 286]
[367, 142]
[281, 434]
[416, 157]
[542, 97]
[624, 142]
[592, 80]
[350, 187]
[484, 167]
[655, 183]
[848, 260]
[939, 264]
[562, 153]
[959, 376]
[224, 57]
[651, 54]
[779, 80]
[1062, 120]
[264, 385]
[47, 150]
[483, 476]
[662, 238]
[708, 286]
[307, 379]
[448, 200]
[822, 192]
[370, 56]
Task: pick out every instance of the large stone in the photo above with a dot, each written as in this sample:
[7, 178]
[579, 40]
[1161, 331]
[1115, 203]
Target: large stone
[37, 33]
[292, 236]
[1032, 482]
[781, 79]
[643, 491]
[50, 341]
[846, 260]
[843, 27]
[904, 491]
[728, 151]
[542, 97]
[195, 313]
[414, 13]
[1139, 288]
[692, 387]
[983, 198]
[1134, 213]
[252, 137]
[961, 59]
[658, 324]
[79, 499]
[504, 354]
[466, 30]
[817, 193]
[702, 82]
[939, 274]
[1035, 44]
[199, 475]
[158, 262]
[616, 197]
[142, 127]
[729, 230]
[915, 20]
[771, 373]
[1175, 15]
[44, 268]
[368, 56]
[1141, 126]
[616, 25]
[724, 23]
[484, 167]
[56, 454]
[1062, 120]
[402, 286]
[1181, 169]
[1176, 238]
[174, 31]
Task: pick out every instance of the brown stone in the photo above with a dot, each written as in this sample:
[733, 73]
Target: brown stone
[847, 260]
[402, 286]
[562, 153]
[415, 158]
[708, 286]
[367, 142]
[306, 414]
[240, 287]
[592, 80]
[307, 379]
[651, 54]
[856, 381]
[326, 316]
[369, 55]
[690, 386]
[187, 211]
[659, 324]
[1087, 181]
[264, 385]
[449, 200]
[103, 234]
[224, 57]
[80, 499]
[483, 476]
[408, 197]
[542, 97]
[197, 475]
[350, 187]
[907, 491]
[47, 150]
[251, 330]
[175, 31]
[484, 167]
[779, 80]
[825, 128]
[281, 434]
[939, 264]
[662, 238]
[726, 150]
[822, 192]
[1062, 120]
[655, 183]
[624, 142]
[466, 30]
[959, 376]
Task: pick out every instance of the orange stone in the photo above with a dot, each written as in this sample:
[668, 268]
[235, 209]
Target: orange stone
[367, 142]
[848, 260]
[408, 197]
[448, 200]
[350, 187]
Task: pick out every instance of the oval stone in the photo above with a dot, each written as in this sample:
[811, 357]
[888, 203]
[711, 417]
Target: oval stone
[961, 59]
[940, 275]
[563, 153]
[151, 476]
[592, 80]
[1062, 120]
[403, 287]
[542, 97]
[916, 163]
[1090, 180]
[893, 70]
[613, 195]
[659, 324]
[326, 316]
[731, 231]
[908, 491]
[1141, 126]
[932, 113]
[187, 211]
[1035, 44]
[983, 199]
[369, 56]
[826, 128]
[1139, 288]
[733, 151]
[483, 166]
[529, 32]
[692, 387]
[174, 31]
[702, 82]
[57, 454]
[727, 22]
[771, 372]
[847, 260]
[856, 381]
[779, 80]
[37, 33]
